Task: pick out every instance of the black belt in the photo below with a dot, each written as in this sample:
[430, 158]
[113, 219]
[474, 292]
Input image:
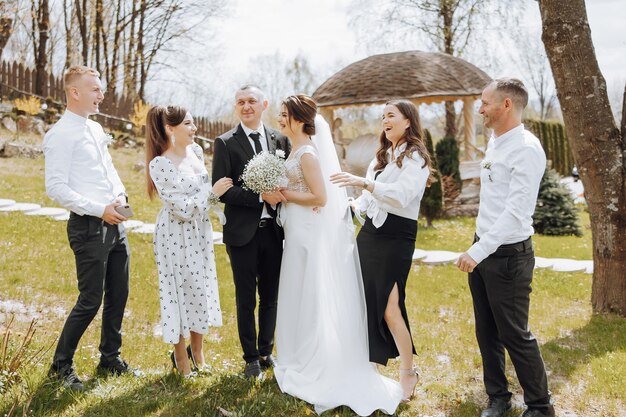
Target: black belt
[265, 222]
[511, 248]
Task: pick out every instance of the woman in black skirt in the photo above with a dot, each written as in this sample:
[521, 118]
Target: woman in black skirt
[392, 191]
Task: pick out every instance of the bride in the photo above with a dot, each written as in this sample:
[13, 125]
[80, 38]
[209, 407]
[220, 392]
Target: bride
[321, 331]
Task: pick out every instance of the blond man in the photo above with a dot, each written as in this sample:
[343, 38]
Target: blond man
[81, 177]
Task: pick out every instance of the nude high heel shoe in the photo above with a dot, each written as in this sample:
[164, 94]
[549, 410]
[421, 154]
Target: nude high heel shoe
[410, 394]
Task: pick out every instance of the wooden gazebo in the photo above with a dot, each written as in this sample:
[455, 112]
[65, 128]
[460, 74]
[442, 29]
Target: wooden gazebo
[422, 77]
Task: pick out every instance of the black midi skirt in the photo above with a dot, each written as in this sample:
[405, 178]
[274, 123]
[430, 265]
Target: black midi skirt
[386, 254]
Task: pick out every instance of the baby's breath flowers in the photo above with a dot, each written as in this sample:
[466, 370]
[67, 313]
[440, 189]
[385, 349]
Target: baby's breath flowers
[265, 172]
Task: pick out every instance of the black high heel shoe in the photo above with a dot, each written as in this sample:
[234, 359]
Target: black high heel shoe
[173, 358]
[194, 364]
[175, 365]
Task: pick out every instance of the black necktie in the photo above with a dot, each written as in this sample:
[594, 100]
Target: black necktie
[257, 143]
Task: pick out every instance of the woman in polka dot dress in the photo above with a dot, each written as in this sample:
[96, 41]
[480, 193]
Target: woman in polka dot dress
[183, 237]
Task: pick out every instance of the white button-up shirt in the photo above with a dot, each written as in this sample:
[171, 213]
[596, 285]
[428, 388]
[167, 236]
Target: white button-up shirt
[397, 190]
[79, 171]
[261, 131]
[509, 183]
[264, 147]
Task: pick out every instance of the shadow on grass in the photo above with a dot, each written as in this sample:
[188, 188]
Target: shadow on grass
[471, 409]
[601, 335]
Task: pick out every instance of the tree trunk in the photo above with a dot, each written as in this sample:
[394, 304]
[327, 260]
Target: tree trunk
[112, 81]
[6, 28]
[81, 16]
[598, 146]
[141, 65]
[130, 79]
[67, 21]
[447, 15]
[97, 35]
[41, 60]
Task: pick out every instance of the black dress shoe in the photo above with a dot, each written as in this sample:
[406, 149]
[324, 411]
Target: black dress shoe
[497, 407]
[539, 412]
[268, 362]
[116, 367]
[67, 376]
[252, 370]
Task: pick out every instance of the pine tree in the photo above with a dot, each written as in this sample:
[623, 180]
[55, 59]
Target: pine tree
[555, 213]
[448, 158]
[432, 201]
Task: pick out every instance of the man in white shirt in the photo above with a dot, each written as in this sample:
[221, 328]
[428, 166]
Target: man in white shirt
[80, 176]
[500, 263]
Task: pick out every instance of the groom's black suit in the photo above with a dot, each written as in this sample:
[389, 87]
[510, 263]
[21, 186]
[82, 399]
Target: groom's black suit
[254, 246]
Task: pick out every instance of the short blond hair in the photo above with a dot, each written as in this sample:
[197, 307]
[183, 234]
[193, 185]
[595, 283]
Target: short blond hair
[73, 74]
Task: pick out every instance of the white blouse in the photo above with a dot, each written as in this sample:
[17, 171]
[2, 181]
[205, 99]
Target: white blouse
[397, 190]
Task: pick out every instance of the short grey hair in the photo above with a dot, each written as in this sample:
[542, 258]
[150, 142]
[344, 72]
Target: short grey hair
[513, 89]
[247, 87]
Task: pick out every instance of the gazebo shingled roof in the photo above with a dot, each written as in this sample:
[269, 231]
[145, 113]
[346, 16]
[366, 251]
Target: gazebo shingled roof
[414, 75]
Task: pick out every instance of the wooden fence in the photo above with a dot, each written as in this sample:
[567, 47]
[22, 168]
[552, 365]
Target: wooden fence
[17, 80]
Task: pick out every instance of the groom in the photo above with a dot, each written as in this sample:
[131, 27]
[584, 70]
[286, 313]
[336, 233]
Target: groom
[252, 237]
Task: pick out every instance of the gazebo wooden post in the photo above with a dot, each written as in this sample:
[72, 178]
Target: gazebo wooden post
[469, 131]
[328, 113]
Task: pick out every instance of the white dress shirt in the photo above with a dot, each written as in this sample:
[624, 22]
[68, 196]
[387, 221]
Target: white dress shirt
[264, 147]
[261, 131]
[78, 167]
[509, 183]
[397, 190]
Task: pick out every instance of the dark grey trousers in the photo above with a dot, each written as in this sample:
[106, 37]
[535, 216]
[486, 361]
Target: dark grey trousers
[500, 287]
[102, 265]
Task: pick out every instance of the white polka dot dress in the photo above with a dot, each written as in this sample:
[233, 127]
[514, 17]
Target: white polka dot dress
[183, 247]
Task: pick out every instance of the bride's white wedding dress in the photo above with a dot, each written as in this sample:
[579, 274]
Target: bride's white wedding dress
[321, 331]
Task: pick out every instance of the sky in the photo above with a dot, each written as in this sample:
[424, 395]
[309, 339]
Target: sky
[319, 30]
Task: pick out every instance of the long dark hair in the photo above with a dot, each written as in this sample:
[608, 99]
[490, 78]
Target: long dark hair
[303, 109]
[157, 141]
[413, 137]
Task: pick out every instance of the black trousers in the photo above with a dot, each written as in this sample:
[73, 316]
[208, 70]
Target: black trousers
[102, 264]
[257, 265]
[500, 287]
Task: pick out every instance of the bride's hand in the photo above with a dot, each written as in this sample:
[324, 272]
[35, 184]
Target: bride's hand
[221, 186]
[273, 197]
[285, 192]
[344, 179]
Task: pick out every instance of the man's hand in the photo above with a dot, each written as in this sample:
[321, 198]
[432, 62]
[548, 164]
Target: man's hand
[110, 215]
[120, 199]
[273, 197]
[466, 263]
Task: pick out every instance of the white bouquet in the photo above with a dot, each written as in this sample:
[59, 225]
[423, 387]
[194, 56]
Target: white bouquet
[265, 172]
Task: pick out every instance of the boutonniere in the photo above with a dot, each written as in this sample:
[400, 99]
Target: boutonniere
[108, 139]
[487, 165]
[280, 153]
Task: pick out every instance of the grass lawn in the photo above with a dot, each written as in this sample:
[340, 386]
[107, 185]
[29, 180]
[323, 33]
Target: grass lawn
[585, 354]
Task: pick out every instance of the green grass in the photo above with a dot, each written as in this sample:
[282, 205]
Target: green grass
[585, 354]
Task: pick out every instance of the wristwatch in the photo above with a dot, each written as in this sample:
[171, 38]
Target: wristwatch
[366, 183]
